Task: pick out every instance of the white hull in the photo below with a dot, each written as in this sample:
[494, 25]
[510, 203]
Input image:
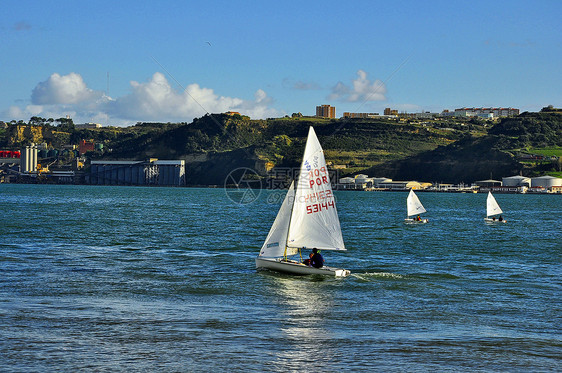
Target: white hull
[414, 221]
[489, 220]
[296, 268]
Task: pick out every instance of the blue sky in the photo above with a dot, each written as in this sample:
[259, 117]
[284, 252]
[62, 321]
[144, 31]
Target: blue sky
[173, 61]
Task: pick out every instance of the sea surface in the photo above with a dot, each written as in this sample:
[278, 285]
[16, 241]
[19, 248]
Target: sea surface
[107, 279]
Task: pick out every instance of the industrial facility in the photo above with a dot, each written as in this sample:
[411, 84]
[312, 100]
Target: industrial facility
[152, 172]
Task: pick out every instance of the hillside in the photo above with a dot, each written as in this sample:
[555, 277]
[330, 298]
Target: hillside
[444, 150]
[237, 141]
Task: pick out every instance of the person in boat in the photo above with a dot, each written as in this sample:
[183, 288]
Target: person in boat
[501, 218]
[307, 261]
[418, 218]
[493, 218]
[316, 259]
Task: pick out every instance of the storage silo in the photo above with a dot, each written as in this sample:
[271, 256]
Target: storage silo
[516, 181]
[546, 182]
[28, 161]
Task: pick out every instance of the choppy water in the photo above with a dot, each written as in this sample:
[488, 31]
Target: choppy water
[144, 279]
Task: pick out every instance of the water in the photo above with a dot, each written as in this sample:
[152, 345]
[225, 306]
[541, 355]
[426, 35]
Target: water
[144, 279]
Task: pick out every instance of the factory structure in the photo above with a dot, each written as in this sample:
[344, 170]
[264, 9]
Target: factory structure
[35, 164]
[151, 172]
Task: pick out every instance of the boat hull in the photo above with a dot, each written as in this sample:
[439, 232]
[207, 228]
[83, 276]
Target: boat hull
[414, 221]
[488, 220]
[296, 268]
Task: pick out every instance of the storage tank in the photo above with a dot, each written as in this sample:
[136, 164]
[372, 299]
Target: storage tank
[52, 153]
[546, 182]
[516, 181]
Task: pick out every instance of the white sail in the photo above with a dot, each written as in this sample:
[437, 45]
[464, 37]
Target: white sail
[492, 207]
[314, 222]
[414, 205]
[274, 245]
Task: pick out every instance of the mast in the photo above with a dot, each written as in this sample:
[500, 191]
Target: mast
[289, 225]
[295, 197]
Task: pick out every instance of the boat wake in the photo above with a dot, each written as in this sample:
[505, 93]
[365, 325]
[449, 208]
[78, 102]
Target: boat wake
[369, 276]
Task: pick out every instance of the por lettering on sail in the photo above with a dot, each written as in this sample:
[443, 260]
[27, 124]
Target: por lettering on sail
[318, 177]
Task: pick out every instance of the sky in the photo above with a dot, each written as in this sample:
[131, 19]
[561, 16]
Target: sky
[123, 62]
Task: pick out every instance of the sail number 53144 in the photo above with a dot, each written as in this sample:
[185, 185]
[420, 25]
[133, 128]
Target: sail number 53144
[317, 207]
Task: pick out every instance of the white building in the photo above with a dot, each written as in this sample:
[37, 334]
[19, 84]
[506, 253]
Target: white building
[516, 181]
[88, 125]
[497, 112]
[546, 182]
[400, 185]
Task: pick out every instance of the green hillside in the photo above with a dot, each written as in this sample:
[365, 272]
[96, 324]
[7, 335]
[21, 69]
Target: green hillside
[444, 150]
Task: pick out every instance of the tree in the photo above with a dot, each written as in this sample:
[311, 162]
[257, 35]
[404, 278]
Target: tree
[66, 124]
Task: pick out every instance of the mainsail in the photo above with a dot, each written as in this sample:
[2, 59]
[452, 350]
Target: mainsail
[314, 222]
[492, 207]
[274, 245]
[414, 205]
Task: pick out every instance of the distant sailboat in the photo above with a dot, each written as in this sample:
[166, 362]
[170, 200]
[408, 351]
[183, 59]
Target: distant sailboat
[307, 219]
[492, 209]
[414, 207]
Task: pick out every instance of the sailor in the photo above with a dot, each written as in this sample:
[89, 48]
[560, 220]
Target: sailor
[501, 218]
[307, 261]
[316, 259]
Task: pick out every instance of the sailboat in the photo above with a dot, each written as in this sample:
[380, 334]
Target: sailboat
[307, 219]
[414, 207]
[492, 209]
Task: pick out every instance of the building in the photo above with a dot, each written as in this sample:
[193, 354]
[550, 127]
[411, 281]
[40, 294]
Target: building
[488, 183]
[496, 112]
[516, 181]
[153, 172]
[360, 115]
[358, 182]
[361, 181]
[389, 111]
[346, 183]
[546, 182]
[399, 185]
[28, 162]
[326, 111]
[85, 146]
[88, 126]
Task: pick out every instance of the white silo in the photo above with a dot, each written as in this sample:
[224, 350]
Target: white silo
[28, 162]
[546, 182]
[516, 181]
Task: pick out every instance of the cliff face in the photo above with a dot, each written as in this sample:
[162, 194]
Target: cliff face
[23, 134]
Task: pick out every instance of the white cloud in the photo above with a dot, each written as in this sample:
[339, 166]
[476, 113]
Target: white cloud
[27, 112]
[362, 90]
[153, 100]
[306, 86]
[63, 89]
[157, 100]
